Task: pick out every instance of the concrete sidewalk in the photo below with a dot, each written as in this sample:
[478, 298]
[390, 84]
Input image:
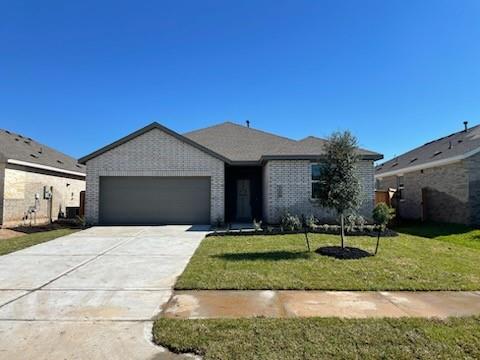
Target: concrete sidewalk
[345, 304]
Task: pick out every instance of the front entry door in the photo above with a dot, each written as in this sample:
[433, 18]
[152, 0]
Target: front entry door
[244, 210]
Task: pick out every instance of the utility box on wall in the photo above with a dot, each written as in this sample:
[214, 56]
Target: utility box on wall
[47, 192]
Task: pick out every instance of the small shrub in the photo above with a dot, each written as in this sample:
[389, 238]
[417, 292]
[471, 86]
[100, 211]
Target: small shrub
[80, 220]
[257, 225]
[355, 221]
[291, 222]
[325, 227]
[311, 222]
[360, 222]
[382, 214]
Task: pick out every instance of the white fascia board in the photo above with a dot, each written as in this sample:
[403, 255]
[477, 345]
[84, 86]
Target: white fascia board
[428, 165]
[44, 167]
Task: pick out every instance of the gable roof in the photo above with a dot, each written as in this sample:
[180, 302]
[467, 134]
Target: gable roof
[245, 144]
[237, 144]
[22, 150]
[453, 147]
[142, 131]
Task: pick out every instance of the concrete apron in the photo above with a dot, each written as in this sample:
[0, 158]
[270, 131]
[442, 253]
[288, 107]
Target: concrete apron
[345, 304]
[92, 294]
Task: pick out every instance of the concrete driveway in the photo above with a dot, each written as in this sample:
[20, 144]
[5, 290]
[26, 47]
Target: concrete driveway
[91, 294]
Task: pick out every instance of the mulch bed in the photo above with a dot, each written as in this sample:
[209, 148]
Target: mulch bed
[346, 253]
[46, 227]
[278, 231]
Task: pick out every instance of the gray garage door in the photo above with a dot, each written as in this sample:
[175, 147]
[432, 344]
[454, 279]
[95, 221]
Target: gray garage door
[145, 200]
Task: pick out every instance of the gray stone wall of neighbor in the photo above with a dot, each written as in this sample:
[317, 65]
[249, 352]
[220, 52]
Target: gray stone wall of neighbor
[287, 187]
[473, 168]
[155, 153]
[447, 193]
[2, 186]
[20, 186]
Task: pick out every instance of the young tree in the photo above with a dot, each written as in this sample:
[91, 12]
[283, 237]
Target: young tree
[339, 183]
[382, 214]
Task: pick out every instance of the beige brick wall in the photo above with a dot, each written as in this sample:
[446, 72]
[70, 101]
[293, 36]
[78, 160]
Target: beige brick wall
[155, 153]
[287, 187]
[2, 184]
[386, 183]
[473, 170]
[20, 187]
[447, 193]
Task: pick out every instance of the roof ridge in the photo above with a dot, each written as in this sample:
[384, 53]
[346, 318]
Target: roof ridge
[10, 132]
[263, 132]
[459, 143]
[37, 143]
[242, 127]
[18, 147]
[312, 137]
[207, 127]
[426, 144]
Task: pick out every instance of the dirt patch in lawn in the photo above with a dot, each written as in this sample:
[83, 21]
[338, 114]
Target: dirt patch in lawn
[9, 233]
[25, 230]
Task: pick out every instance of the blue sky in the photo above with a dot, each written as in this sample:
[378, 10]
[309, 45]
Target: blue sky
[77, 75]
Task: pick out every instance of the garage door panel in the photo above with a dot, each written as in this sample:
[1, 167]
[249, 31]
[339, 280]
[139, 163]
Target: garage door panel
[154, 200]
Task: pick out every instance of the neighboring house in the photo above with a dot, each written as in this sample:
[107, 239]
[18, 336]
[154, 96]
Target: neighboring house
[438, 181]
[37, 183]
[226, 172]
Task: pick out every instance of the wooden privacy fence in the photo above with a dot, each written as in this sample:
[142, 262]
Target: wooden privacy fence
[82, 203]
[384, 196]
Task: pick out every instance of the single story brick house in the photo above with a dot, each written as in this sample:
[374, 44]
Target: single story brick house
[438, 181]
[223, 173]
[37, 183]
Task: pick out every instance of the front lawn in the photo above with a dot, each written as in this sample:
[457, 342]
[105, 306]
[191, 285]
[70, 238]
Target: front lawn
[322, 338]
[451, 233]
[24, 241]
[406, 262]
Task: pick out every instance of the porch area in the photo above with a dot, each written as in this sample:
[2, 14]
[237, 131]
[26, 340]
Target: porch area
[243, 194]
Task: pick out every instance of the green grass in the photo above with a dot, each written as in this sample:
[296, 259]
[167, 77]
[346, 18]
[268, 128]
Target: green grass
[451, 233]
[18, 243]
[428, 257]
[406, 262]
[322, 338]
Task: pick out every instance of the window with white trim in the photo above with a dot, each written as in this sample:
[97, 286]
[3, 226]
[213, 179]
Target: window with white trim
[317, 169]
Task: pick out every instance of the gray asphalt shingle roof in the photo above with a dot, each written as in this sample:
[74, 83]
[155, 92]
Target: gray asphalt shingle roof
[311, 146]
[235, 143]
[454, 145]
[240, 143]
[18, 147]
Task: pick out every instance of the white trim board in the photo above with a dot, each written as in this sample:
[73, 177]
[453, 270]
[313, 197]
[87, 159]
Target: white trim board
[428, 165]
[44, 167]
